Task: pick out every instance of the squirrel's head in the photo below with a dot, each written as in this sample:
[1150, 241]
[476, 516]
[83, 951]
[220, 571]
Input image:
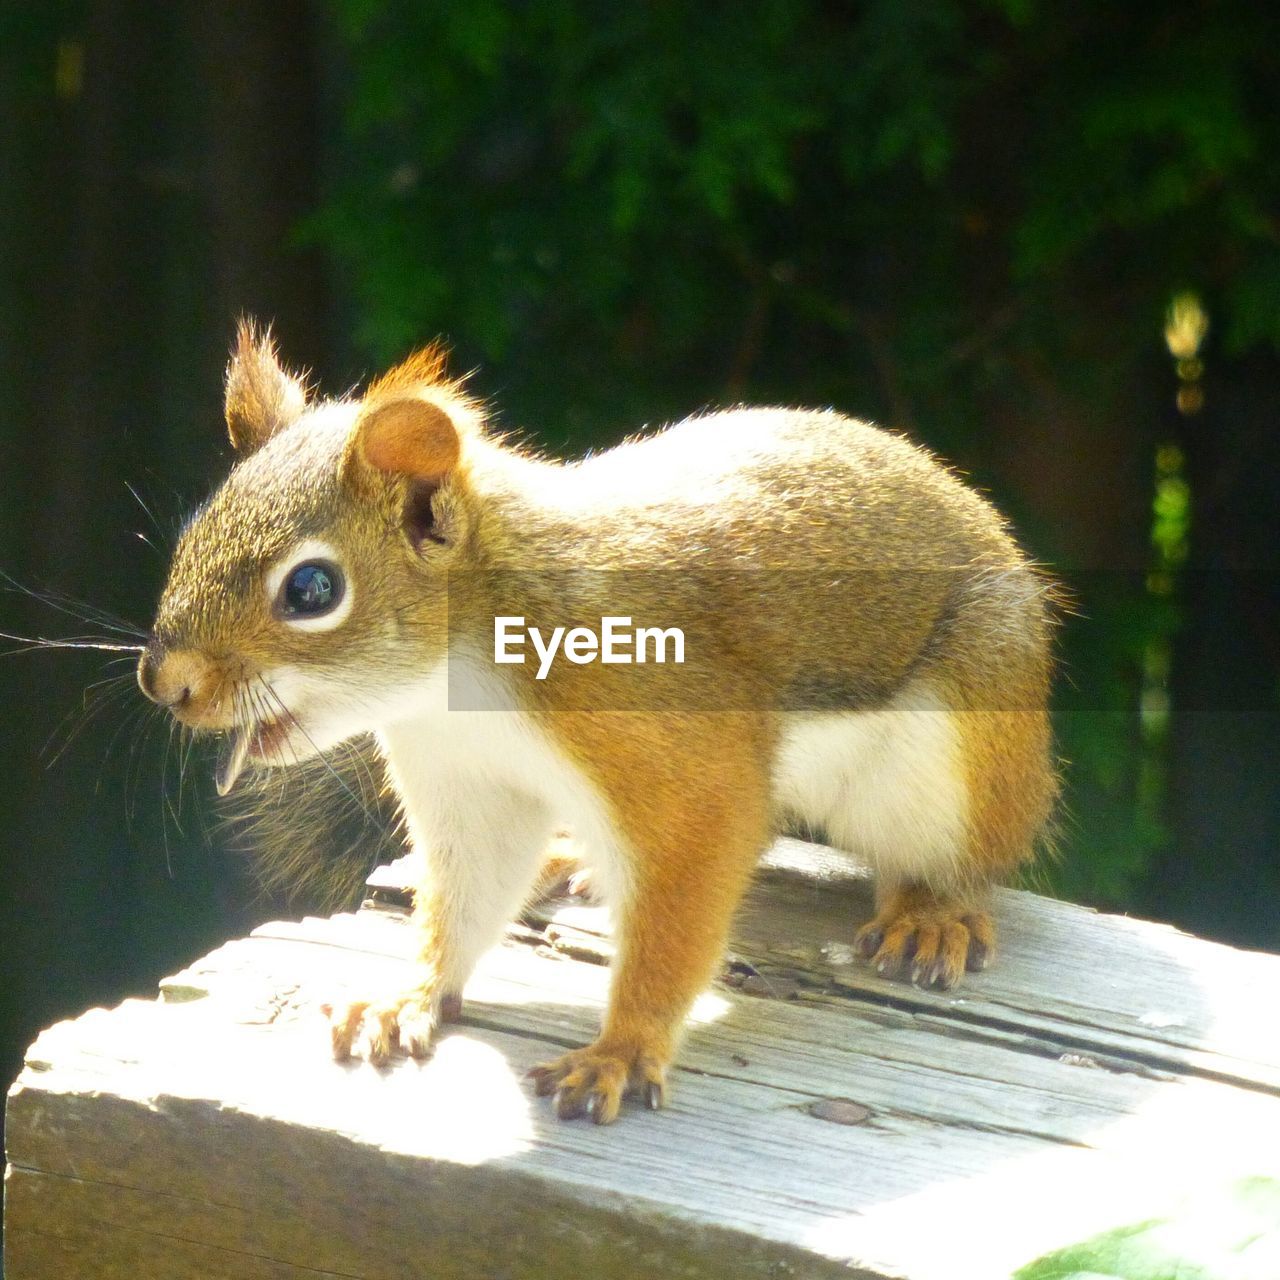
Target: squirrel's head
[308, 596]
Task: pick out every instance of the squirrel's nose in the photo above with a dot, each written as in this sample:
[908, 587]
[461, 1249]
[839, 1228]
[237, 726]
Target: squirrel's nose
[180, 680]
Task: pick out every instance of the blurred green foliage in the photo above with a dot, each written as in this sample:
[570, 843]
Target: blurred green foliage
[950, 217]
[604, 196]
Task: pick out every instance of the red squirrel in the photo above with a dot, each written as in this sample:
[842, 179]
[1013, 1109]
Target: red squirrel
[867, 653]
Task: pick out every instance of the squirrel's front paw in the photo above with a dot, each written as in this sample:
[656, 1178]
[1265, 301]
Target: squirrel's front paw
[405, 1023]
[592, 1082]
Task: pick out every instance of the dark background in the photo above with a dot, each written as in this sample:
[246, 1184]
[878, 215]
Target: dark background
[1001, 226]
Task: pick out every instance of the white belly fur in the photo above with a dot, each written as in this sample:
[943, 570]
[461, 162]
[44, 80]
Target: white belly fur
[885, 785]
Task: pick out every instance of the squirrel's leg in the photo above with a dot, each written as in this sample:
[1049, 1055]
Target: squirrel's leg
[993, 788]
[479, 849]
[692, 837]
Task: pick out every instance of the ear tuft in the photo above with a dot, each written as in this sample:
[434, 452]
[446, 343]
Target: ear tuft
[424, 368]
[261, 396]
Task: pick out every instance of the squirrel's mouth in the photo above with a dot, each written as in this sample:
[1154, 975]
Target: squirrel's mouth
[261, 740]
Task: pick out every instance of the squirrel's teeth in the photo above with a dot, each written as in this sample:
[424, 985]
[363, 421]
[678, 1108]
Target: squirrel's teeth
[235, 750]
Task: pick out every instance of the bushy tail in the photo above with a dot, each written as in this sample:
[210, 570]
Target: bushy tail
[314, 831]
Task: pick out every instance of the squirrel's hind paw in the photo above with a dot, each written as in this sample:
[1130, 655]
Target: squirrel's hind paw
[565, 877]
[937, 939]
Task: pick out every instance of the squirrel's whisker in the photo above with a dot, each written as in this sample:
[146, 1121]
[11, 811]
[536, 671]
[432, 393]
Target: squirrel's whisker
[150, 514]
[73, 608]
[96, 698]
[31, 643]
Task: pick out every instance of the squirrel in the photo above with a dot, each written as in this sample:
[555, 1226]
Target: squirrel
[867, 654]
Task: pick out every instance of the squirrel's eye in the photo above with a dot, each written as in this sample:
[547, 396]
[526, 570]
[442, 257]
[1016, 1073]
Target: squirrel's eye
[311, 589]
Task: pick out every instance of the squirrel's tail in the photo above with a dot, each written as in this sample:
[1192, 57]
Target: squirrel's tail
[313, 831]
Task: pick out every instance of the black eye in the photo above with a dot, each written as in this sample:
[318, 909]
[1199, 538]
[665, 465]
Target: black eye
[311, 589]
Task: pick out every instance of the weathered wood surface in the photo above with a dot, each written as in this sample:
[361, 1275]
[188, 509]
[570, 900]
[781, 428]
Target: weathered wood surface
[1102, 1069]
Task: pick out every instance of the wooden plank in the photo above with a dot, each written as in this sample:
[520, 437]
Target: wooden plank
[791, 1173]
[215, 1118]
[293, 1180]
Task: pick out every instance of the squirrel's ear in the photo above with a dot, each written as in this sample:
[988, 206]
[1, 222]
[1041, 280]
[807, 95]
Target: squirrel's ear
[410, 437]
[261, 397]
